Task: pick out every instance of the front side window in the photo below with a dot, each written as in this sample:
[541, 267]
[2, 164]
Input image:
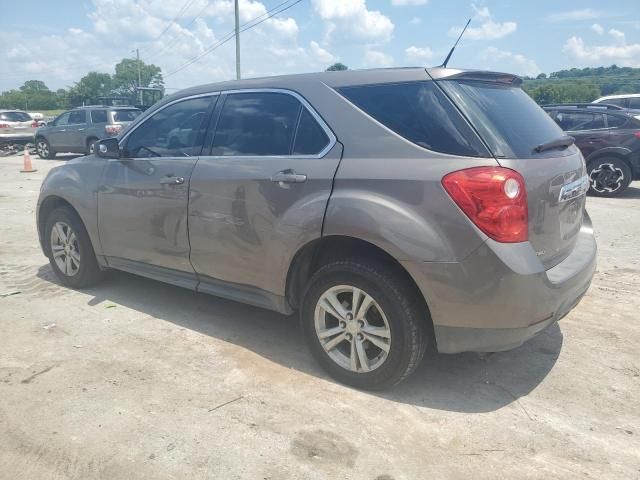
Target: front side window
[419, 112]
[98, 116]
[620, 102]
[62, 119]
[578, 121]
[174, 131]
[256, 124]
[77, 117]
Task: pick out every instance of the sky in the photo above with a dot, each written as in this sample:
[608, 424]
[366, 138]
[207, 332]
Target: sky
[60, 41]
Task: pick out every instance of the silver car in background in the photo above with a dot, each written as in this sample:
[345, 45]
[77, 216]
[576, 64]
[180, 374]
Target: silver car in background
[16, 126]
[395, 210]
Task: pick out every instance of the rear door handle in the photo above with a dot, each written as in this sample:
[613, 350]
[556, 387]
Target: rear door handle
[288, 176]
[170, 180]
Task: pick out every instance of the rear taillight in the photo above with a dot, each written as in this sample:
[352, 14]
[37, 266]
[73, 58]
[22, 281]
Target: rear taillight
[636, 134]
[494, 198]
[4, 125]
[34, 124]
[113, 129]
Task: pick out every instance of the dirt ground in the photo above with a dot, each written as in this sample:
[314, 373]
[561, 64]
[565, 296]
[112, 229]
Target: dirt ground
[134, 379]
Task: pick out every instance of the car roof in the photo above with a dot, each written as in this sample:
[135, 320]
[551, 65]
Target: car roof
[6, 110]
[587, 107]
[345, 78]
[611, 97]
[108, 107]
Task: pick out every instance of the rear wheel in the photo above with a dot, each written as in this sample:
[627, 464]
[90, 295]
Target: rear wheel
[91, 146]
[44, 149]
[608, 176]
[69, 249]
[363, 324]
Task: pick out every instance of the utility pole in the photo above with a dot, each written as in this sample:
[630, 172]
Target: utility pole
[237, 41]
[139, 76]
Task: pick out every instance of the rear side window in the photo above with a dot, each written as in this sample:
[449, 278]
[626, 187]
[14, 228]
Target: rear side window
[15, 116]
[616, 121]
[508, 119]
[77, 117]
[419, 112]
[634, 102]
[578, 121]
[98, 116]
[311, 139]
[125, 115]
[256, 124]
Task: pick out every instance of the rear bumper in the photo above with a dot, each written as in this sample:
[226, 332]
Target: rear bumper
[500, 296]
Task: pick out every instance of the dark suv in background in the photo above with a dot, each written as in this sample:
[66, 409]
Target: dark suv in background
[78, 130]
[609, 138]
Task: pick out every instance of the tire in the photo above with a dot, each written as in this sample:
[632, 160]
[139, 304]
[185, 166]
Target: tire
[395, 308]
[44, 149]
[608, 176]
[91, 144]
[83, 270]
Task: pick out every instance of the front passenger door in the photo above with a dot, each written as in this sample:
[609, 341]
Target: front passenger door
[142, 202]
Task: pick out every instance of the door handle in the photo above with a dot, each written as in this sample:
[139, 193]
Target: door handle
[170, 180]
[288, 176]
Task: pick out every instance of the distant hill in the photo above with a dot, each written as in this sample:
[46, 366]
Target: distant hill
[582, 84]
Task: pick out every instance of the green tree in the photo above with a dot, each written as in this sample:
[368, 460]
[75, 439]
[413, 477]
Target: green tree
[337, 67]
[89, 88]
[541, 76]
[34, 86]
[125, 79]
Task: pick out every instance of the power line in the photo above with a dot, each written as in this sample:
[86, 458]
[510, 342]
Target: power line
[183, 10]
[225, 38]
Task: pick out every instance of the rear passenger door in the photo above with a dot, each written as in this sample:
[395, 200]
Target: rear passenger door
[259, 192]
[588, 128]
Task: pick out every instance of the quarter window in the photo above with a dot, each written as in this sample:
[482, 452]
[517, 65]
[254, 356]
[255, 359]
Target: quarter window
[174, 131]
[419, 112]
[634, 102]
[615, 121]
[256, 124]
[98, 116]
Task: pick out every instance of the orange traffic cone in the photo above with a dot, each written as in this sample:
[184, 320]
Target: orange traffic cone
[27, 168]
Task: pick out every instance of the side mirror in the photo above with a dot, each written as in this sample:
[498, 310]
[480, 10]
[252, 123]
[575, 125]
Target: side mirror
[108, 148]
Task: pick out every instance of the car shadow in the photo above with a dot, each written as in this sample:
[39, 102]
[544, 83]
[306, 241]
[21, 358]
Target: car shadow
[631, 192]
[471, 383]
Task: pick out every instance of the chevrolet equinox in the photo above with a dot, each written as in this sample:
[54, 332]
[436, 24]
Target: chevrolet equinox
[396, 210]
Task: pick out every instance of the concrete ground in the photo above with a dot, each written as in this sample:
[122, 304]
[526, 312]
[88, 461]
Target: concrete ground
[134, 379]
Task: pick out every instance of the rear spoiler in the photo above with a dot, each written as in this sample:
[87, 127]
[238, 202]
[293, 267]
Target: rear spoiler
[439, 73]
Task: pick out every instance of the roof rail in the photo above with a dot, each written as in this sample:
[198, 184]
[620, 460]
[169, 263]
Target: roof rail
[595, 106]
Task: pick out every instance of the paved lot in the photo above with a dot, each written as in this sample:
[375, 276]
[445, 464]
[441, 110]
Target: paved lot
[135, 379]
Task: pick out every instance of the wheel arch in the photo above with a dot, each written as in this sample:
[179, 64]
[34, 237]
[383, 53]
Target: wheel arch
[48, 205]
[619, 153]
[323, 250]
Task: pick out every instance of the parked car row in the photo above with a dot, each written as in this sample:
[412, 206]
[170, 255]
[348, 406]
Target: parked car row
[74, 131]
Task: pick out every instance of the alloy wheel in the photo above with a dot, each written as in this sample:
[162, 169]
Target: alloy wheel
[606, 178]
[64, 249]
[352, 328]
[43, 149]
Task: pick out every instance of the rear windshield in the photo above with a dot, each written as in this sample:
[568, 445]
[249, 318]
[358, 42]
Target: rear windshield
[128, 115]
[419, 112]
[508, 120]
[15, 116]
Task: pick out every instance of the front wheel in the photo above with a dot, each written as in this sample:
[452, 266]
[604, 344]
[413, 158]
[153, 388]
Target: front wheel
[608, 177]
[44, 149]
[69, 249]
[364, 324]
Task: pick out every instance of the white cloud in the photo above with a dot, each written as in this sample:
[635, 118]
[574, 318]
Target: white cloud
[506, 61]
[488, 29]
[375, 58]
[620, 54]
[596, 27]
[617, 35]
[352, 19]
[404, 3]
[415, 21]
[418, 53]
[574, 15]
[320, 54]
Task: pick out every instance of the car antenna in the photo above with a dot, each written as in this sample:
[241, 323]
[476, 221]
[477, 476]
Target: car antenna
[446, 60]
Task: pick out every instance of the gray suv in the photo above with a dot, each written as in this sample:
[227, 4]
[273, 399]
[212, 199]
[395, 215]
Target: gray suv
[395, 210]
[78, 130]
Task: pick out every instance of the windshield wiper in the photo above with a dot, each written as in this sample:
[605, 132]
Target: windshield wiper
[562, 142]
